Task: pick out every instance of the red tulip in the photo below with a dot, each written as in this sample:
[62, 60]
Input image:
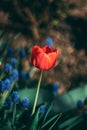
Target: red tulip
[43, 58]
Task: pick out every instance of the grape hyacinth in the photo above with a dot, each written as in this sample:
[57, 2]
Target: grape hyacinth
[15, 97]
[22, 52]
[80, 104]
[55, 89]
[8, 68]
[49, 41]
[15, 74]
[8, 104]
[2, 86]
[42, 109]
[11, 79]
[25, 103]
[13, 62]
[24, 76]
[7, 84]
[10, 52]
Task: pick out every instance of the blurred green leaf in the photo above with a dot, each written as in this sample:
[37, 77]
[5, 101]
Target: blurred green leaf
[2, 75]
[74, 123]
[7, 126]
[35, 121]
[44, 95]
[54, 118]
[19, 114]
[60, 105]
[47, 113]
[55, 22]
[70, 121]
[55, 122]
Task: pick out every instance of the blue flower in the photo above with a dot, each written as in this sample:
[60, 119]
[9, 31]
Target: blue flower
[55, 86]
[25, 103]
[42, 109]
[8, 104]
[55, 89]
[11, 79]
[15, 74]
[22, 52]
[7, 84]
[24, 75]
[49, 41]
[8, 68]
[2, 86]
[15, 97]
[13, 62]
[10, 52]
[80, 104]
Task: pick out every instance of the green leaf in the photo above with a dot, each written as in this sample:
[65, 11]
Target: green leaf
[7, 126]
[14, 114]
[19, 114]
[35, 121]
[47, 113]
[69, 122]
[74, 123]
[55, 122]
[49, 121]
[44, 95]
[2, 75]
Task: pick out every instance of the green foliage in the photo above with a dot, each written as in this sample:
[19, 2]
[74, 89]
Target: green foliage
[71, 122]
[43, 95]
[54, 118]
[35, 120]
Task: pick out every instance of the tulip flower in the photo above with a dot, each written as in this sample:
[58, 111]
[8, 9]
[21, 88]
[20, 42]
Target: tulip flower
[44, 58]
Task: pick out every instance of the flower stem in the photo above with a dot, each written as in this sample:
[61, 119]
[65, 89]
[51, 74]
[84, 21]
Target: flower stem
[37, 93]
[14, 113]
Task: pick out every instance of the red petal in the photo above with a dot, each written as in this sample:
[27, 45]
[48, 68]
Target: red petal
[47, 49]
[53, 57]
[35, 51]
[43, 61]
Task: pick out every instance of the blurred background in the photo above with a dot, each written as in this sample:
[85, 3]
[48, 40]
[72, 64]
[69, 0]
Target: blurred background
[61, 23]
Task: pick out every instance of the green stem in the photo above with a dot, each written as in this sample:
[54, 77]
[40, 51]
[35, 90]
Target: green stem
[37, 93]
[2, 75]
[14, 113]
